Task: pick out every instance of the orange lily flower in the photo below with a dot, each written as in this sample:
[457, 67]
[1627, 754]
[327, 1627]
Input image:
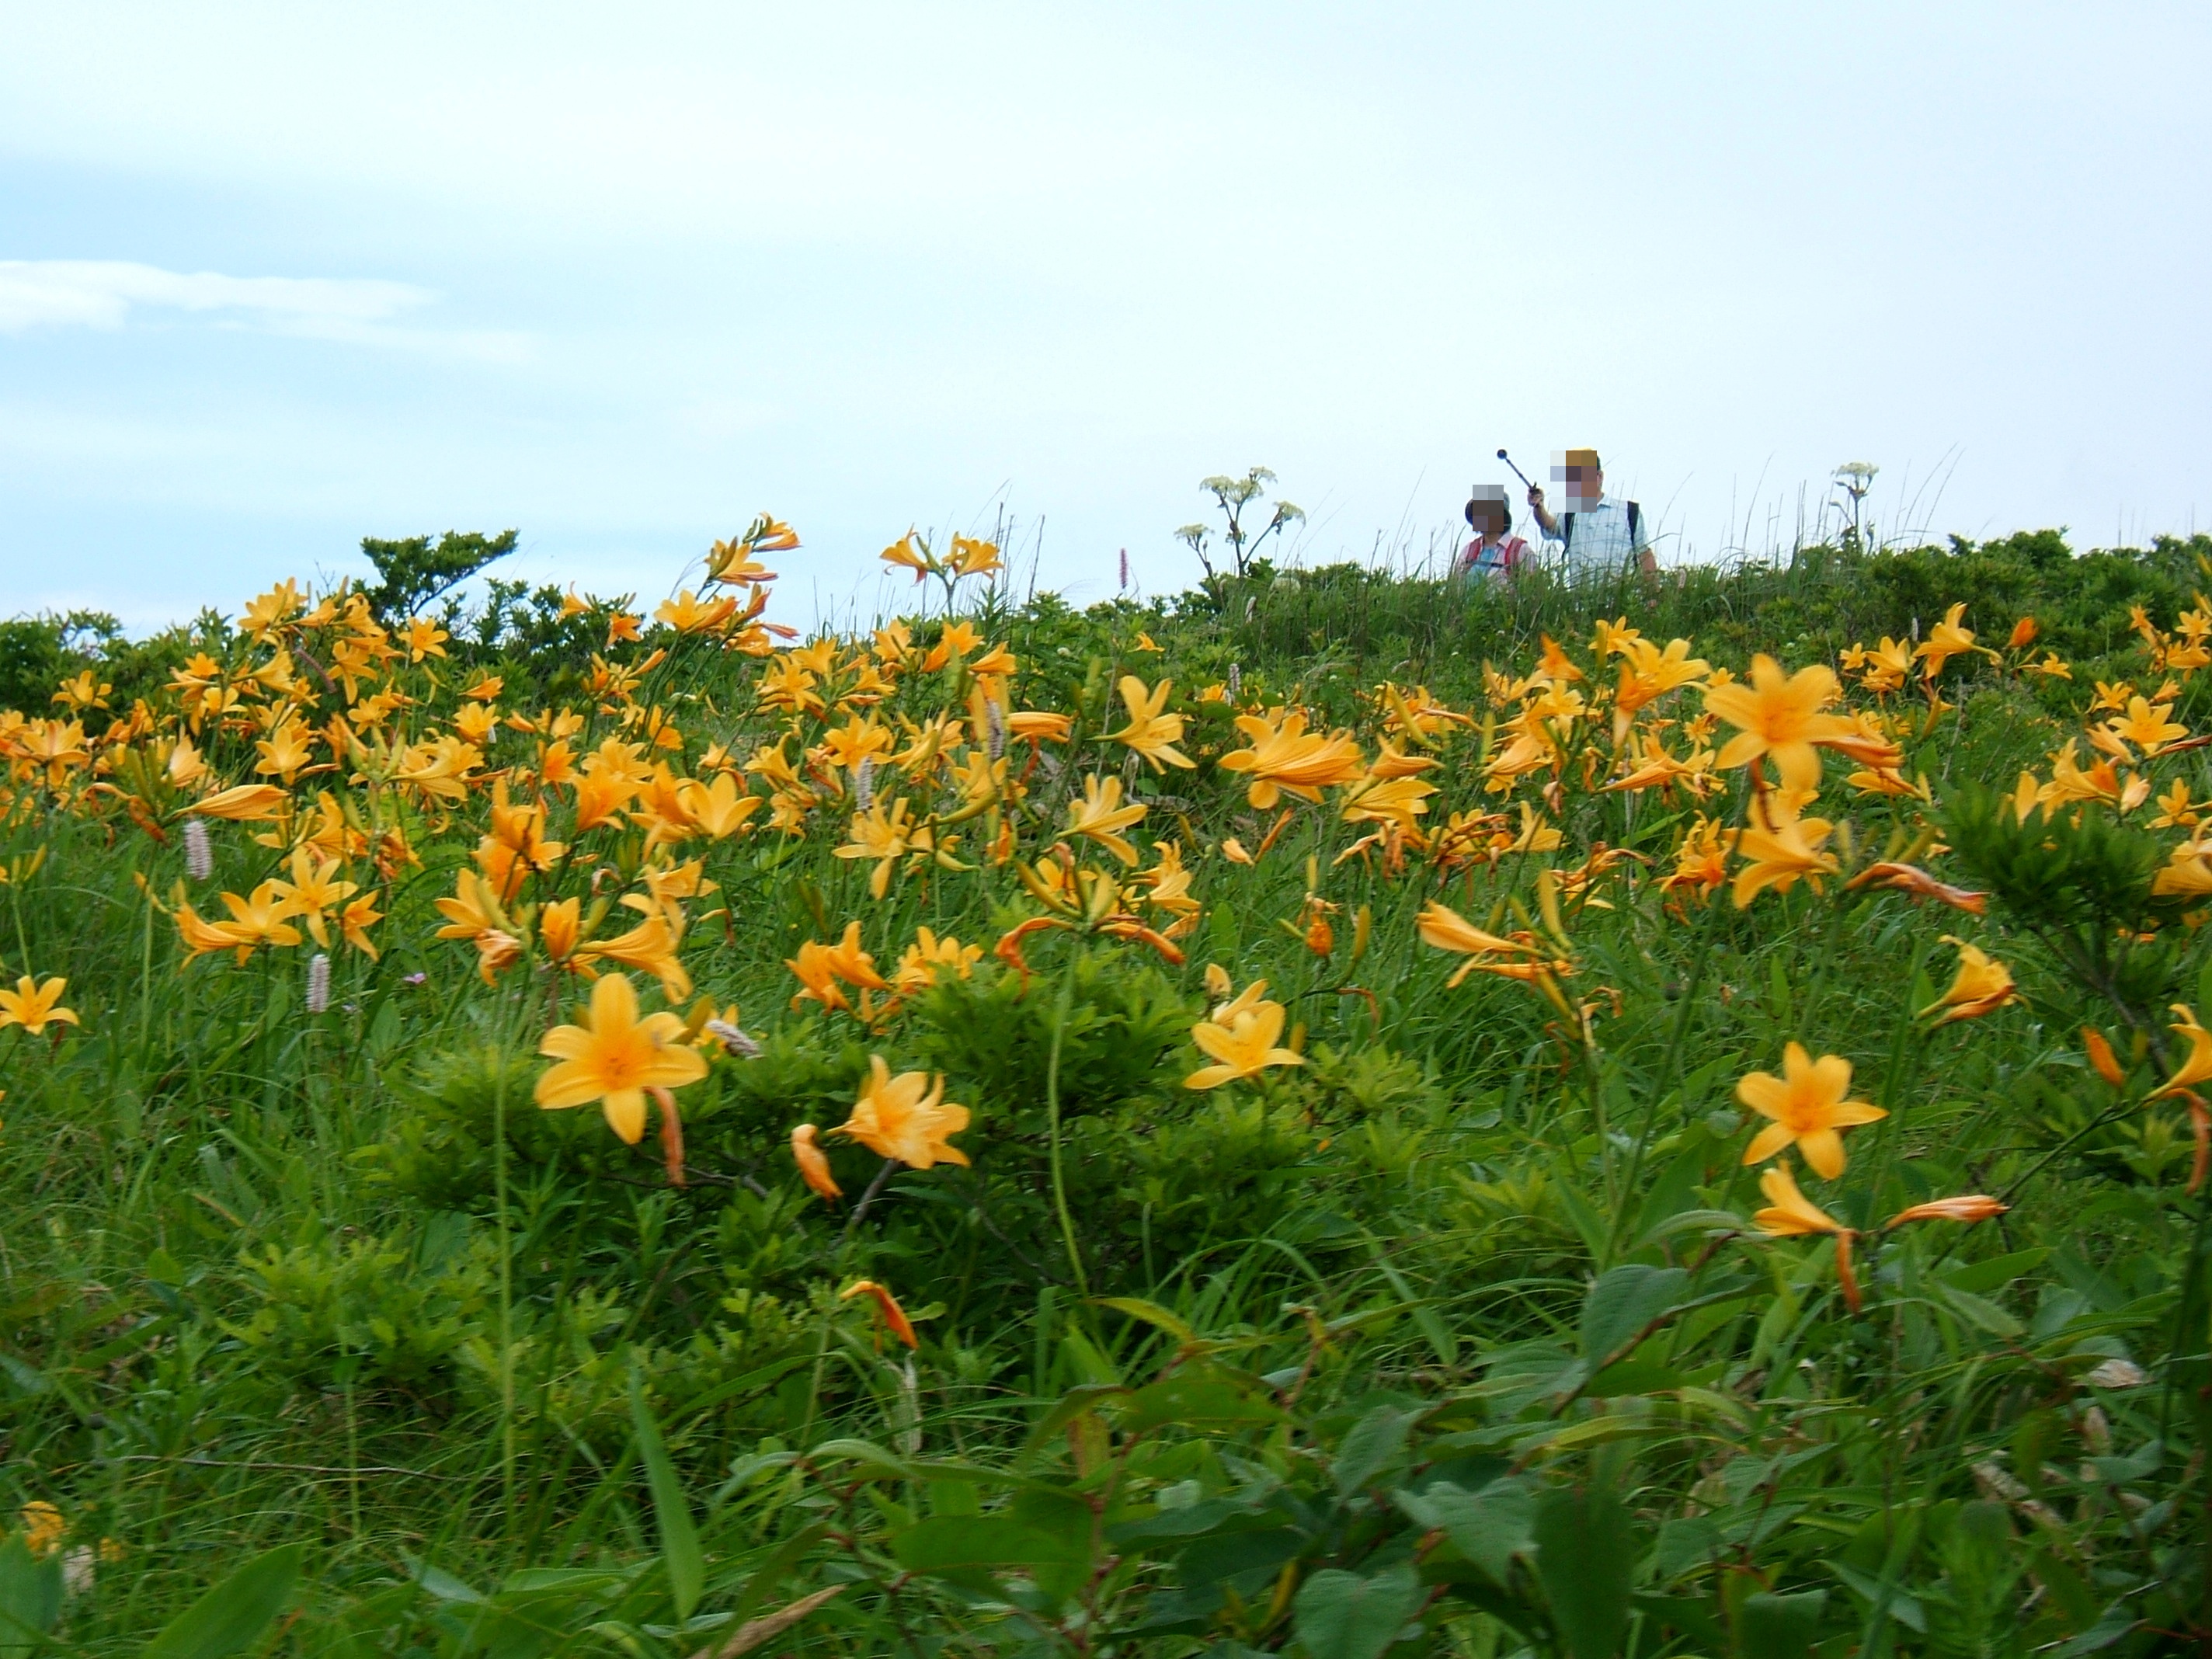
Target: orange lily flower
[1967, 1206]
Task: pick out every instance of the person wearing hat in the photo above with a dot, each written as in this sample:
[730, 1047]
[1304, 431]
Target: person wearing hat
[1495, 554]
[1599, 537]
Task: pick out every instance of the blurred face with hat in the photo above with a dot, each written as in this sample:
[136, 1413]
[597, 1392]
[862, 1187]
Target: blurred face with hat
[1578, 469]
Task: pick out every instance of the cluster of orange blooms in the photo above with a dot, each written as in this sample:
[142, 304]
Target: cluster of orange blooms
[351, 754]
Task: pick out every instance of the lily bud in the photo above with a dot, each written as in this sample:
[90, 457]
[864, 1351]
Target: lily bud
[813, 1165]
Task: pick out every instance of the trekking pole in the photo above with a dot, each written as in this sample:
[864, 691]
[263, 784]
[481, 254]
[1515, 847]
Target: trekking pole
[1517, 472]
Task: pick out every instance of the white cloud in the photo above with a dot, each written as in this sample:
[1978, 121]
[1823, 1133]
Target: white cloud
[102, 294]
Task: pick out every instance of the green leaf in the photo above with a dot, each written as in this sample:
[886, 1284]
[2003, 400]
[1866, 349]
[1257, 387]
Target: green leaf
[30, 1597]
[1371, 1445]
[1152, 1314]
[965, 1543]
[766, 1577]
[880, 1463]
[1623, 1303]
[1078, 1401]
[1195, 1398]
[1586, 1558]
[672, 1516]
[235, 1614]
[1997, 1271]
[1770, 1627]
[1977, 1311]
[1489, 1527]
[1341, 1615]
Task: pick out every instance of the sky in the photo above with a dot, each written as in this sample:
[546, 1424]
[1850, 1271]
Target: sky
[275, 277]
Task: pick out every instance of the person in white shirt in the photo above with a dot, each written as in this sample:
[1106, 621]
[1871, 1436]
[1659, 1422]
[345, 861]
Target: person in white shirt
[1599, 537]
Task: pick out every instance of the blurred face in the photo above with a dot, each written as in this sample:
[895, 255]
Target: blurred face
[1584, 483]
[1490, 520]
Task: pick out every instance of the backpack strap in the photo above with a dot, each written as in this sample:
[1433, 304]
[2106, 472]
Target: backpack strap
[1566, 531]
[1635, 519]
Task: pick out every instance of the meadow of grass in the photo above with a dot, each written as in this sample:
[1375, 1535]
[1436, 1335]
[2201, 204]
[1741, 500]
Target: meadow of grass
[1330, 1114]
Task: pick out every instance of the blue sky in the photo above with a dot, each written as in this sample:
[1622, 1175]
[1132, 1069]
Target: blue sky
[274, 278]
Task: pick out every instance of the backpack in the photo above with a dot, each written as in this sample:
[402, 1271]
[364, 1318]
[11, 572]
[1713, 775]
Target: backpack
[1567, 527]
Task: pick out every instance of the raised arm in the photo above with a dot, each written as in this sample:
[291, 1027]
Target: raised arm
[1549, 525]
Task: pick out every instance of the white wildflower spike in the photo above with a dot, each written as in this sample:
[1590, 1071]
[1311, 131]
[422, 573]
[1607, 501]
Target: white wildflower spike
[319, 983]
[864, 784]
[199, 852]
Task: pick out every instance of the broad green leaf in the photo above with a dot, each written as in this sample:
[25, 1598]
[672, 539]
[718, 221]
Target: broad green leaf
[1770, 1627]
[1341, 1615]
[30, 1597]
[949, 1543]
[672, 1515]
[1623, 1303]
[235, 1614]
[1586, 1559]
[1371, 1445]
[1194, 1398]
[1489, 1527]
[1071, 1522]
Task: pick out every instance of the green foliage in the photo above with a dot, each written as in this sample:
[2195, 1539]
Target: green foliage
[413, 571]
[992, 1034]
[372, 1311]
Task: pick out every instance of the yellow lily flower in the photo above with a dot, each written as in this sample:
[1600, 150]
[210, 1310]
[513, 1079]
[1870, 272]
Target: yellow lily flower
[1285, 758]
[1982, 986]
[1791, 1214]
[1150, 732]
[1244, 1045]
[906, 1117]
[1779, 851]
[2197, 1067]
[34, 1006]
[1807, 1107]
[1100, 813]
[1780, 718]
[614, 1057]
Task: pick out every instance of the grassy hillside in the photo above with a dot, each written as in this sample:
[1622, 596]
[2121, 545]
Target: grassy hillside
[1329, 1115]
